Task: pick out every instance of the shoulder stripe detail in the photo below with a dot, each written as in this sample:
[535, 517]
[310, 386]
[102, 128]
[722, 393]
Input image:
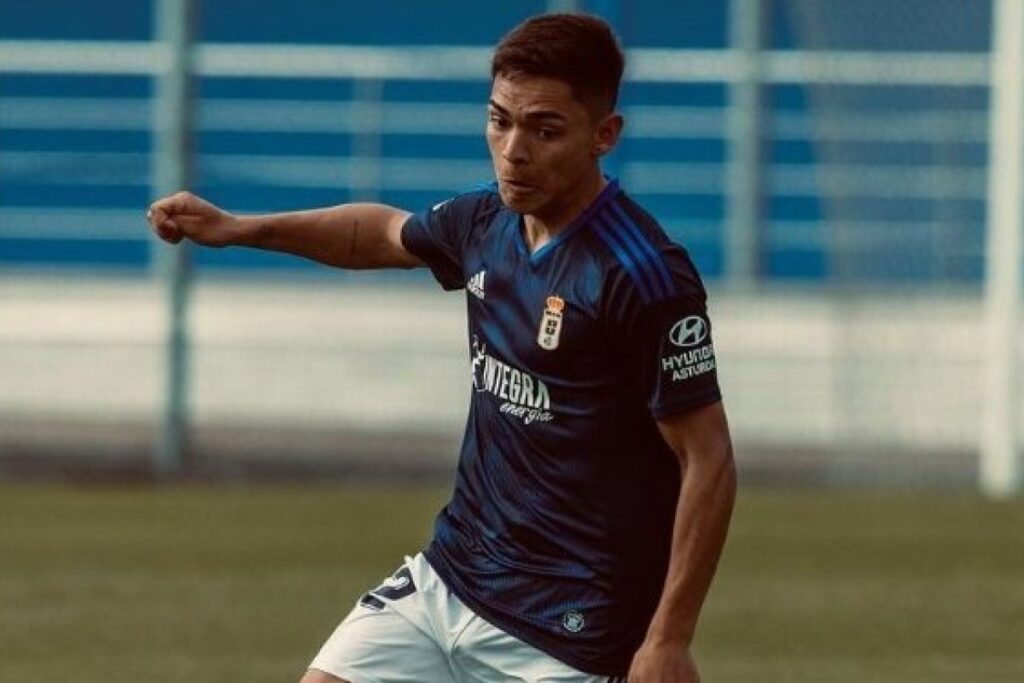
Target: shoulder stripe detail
[641, 257]
[659, 263]
[624, 256]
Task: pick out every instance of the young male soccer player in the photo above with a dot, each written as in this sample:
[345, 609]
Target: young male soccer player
[596, 477]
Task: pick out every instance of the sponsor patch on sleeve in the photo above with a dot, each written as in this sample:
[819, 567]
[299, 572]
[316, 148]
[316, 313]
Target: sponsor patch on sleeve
[690, 351]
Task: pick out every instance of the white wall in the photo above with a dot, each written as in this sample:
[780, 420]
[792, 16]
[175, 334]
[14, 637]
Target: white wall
[800, 371]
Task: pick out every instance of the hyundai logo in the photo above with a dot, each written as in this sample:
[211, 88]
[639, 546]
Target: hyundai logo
[689, 331]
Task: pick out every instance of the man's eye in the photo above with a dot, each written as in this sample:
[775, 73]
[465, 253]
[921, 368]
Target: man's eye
[547, 133]
[497, 121]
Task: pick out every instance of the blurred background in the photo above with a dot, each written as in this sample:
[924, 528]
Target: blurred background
[824, 162]
[846, 176]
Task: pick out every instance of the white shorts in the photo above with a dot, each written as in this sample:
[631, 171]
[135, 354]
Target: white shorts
[413, 629]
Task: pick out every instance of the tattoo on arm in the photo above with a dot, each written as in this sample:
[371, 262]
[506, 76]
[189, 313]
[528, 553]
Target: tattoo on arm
[264, 232]
[355, 237]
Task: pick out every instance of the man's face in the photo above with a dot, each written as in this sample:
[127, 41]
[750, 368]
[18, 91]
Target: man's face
[544, 143]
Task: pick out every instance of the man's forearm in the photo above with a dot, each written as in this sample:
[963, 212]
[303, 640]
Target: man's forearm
[701, 523]
[354, 236]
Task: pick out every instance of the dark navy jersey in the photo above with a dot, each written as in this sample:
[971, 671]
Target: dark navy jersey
[560, 523]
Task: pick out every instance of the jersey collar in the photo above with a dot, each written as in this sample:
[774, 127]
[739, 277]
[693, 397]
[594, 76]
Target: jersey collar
[606, 194]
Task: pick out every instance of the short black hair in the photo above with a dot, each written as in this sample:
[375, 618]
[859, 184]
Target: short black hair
[579, 49]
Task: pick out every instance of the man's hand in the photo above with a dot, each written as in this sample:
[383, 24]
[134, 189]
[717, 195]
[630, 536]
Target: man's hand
[655, 663]
[184, 215]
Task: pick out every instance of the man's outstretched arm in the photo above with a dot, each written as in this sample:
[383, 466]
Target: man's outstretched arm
[355, 236]
[701, 441]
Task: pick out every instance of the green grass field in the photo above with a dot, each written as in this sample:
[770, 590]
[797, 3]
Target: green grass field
[228, 583]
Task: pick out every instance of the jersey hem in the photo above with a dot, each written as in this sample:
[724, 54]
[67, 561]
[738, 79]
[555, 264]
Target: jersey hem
[496, 620]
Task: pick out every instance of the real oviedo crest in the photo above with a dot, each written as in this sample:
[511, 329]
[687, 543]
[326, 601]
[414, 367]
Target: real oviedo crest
[551, 323]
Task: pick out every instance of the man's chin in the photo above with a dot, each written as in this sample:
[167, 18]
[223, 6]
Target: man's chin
[517, 202]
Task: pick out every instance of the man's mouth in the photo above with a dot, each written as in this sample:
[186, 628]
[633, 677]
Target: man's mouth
[517, 184]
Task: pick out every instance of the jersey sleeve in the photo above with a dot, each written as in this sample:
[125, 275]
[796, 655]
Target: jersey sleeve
[667, 342]
[440, 235]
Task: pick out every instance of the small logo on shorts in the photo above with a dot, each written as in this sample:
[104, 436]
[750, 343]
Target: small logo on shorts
[397, 582]
[572, 621]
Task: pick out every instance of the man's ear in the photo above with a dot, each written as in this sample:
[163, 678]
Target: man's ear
[606, 134]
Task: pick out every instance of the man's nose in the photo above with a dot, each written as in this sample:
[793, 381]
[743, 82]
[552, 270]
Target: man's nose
[515, 149]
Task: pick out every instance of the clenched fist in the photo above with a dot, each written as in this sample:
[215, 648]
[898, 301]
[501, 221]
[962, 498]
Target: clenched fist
[184, 215]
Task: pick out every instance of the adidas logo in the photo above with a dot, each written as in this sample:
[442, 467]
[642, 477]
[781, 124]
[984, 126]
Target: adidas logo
[476, 284]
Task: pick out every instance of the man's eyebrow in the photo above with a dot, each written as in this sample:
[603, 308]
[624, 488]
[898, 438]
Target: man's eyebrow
[542, 114]
[495, 105]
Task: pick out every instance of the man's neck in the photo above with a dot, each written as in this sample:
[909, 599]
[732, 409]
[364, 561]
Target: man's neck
[541, 229]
